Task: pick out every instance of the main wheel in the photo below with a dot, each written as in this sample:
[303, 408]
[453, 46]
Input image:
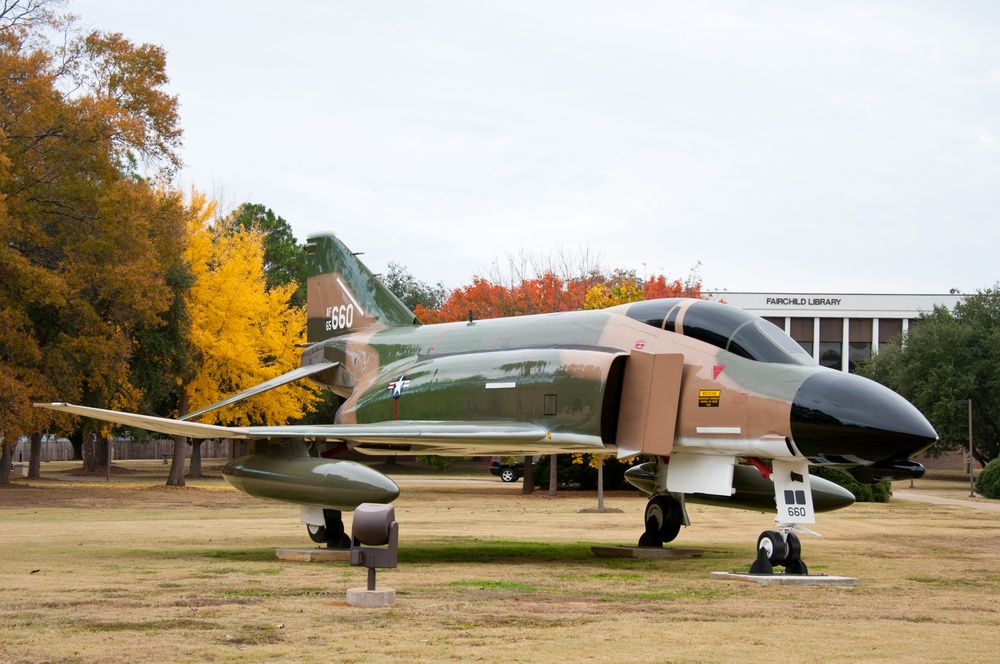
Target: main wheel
[663, 518]
[508, 475]
[331, 533]
[774, 545]
[316, 533]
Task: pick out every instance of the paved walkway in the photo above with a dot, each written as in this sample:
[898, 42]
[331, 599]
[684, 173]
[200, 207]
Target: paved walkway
[906, 494]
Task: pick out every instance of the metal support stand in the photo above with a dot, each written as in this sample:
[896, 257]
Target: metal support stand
[374, 544]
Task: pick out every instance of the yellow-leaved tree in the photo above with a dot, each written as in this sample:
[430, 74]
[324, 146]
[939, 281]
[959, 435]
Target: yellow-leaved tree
[240, 331]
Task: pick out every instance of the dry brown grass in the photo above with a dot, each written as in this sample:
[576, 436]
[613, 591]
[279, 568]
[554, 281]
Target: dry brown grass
[140, 572]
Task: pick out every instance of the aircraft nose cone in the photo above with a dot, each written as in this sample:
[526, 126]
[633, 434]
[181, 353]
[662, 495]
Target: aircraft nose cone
[843, 418]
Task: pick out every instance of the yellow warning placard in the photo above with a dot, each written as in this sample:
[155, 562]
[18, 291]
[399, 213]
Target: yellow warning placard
[709, 398]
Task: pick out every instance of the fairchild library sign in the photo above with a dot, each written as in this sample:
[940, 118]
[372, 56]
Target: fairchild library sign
[905, 306]
[805, 301]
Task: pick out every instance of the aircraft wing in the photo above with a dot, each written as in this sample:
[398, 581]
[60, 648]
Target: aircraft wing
[151, 422]
[425, 435]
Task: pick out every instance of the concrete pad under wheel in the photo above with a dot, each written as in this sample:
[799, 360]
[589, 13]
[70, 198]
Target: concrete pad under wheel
[371, 598]
[789, 579]
[314, 555]
[644, 552]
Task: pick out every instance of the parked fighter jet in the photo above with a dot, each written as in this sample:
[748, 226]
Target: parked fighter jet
[696, 386]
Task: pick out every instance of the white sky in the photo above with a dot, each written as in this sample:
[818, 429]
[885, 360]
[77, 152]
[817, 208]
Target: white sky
[788, 146]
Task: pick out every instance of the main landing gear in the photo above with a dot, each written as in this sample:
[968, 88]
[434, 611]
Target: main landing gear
[332, 533]
[779, 548]
[664, 518]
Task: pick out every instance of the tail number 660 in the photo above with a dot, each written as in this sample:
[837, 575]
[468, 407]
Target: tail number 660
[340, 318]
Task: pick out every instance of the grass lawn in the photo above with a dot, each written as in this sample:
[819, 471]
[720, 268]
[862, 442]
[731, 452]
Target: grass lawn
[132, 570]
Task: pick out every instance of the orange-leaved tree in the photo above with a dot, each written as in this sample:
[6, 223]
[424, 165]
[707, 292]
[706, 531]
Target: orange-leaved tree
[86, 241]
[547, 292]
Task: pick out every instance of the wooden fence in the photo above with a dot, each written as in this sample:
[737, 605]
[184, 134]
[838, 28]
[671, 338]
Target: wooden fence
[62, 450]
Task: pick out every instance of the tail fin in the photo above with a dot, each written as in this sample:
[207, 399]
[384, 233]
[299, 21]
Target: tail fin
[343, 294]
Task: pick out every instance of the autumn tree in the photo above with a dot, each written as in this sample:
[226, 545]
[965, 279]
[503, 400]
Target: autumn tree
[85, 132]
[532, 285]
[241, 331]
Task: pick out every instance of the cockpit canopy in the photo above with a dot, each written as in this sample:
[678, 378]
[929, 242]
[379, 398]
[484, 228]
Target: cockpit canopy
[724, 326]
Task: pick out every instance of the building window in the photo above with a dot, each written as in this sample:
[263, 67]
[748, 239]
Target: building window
[888, 330]
[831, 341]
[801, 331]
[859, 346]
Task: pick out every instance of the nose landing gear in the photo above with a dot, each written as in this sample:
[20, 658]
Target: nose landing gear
[779, 548]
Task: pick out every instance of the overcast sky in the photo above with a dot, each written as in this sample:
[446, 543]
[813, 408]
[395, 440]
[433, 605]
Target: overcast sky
[787, 146]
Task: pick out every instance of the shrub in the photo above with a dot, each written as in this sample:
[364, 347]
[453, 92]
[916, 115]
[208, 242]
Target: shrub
[438, 463]
[988, 482]
[863, 493]
[581, 476]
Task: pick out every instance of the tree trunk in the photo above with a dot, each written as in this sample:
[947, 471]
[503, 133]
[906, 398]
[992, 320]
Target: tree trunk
[89, 455]
[6, 458]
[553, 474]
[528, 485]
[76, 440]
[176, 477]
[101, 450]
[35, 456]
[600, 481]
[194, 469]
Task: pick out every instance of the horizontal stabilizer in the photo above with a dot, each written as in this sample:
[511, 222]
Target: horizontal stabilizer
[283, 379]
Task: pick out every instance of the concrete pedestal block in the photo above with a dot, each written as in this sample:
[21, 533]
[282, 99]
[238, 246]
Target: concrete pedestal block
[371, 598]
[783, 579]
[314, 555]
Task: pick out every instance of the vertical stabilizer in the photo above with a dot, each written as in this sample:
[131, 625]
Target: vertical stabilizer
[344, 295]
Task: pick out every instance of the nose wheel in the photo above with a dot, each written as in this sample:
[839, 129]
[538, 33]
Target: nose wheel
[776, 548]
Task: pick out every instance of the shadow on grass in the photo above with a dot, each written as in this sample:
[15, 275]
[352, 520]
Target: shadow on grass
[469, 550]
[460, 550]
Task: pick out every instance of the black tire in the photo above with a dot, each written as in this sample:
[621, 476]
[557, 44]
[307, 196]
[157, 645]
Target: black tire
[774, 545]
[316, 533]
[508, 475]
[794, 550]
[663, 518]
[331, 533]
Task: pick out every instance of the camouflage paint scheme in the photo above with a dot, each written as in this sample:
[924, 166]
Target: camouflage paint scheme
[697, 385]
